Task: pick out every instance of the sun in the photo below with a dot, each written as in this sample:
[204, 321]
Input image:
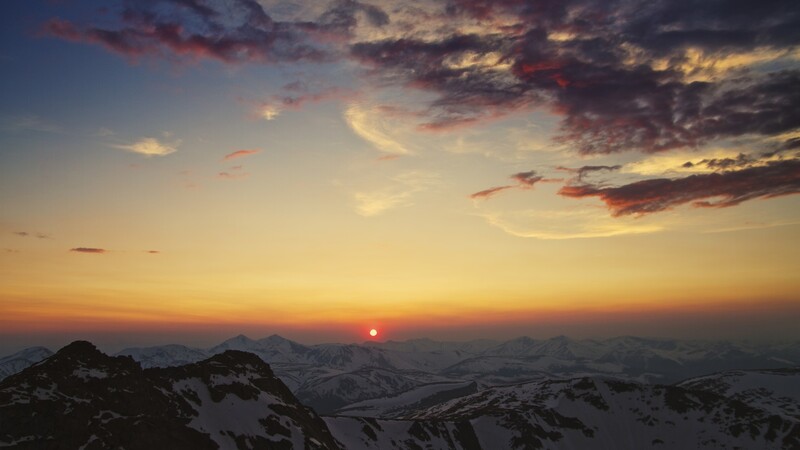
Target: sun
[373, 332]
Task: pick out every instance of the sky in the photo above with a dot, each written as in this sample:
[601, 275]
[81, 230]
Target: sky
[188, 170]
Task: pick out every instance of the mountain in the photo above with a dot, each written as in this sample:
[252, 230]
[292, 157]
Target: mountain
[473, 347]
[591, 413]
[333, 377]
[164, 355]
[272, 349]
[82, 398]
[776, 390]
[12, 364]
[609, 414]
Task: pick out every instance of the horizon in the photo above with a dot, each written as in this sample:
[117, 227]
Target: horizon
[183, 170]
[115, 345]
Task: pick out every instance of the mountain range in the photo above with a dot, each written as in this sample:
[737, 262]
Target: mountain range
[275, 393]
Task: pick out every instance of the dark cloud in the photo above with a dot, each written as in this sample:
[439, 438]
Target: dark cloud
[581, 172]
[740, 161]
[718, 189]
[525, 180]
[233, 31]
[603, 79]
[487, 193]
[28, 234]
[619, 73]
[153, 252]
[88, 250]
[341, 16]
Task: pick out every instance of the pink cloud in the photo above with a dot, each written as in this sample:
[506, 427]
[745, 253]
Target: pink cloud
[240, 154]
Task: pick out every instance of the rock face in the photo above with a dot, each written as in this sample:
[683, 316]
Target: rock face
[81, 398]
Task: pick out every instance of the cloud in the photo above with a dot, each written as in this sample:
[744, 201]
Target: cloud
[370, 204]
[487, 193]
[88, 250]
[149, 147]
[368, 124]
[297, 95]
[525, 180]
[399, 194]
[717, 189]
[234, 31]
[240, 154]
[642, 75]
[28, 234]
[153, 252]
[566, 223]
[623, 75]
[645, 79]
[27, 123]
[237, 174]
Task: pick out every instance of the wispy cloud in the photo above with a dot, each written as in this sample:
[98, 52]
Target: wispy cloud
[583, 223]
[30, 122]
[240, 154]
[525, 180]
[370, 125]
[29, 234]
[149, 146]
[370, 204]
[232, 175]
[88, 250]
[399, 193]
[295, 96]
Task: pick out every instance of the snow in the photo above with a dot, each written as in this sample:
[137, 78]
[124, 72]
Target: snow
[381, 407]
[21, 440]
[86, 374]
[92, 438]
[233, 414]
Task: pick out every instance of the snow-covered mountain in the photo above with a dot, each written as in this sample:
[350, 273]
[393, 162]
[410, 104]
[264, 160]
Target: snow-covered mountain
[81, 398]
[12, 364]
[332, 377]
[165, 355]
[776, 390]
[612, 414]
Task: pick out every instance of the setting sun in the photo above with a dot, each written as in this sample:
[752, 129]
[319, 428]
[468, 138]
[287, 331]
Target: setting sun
[373, 332]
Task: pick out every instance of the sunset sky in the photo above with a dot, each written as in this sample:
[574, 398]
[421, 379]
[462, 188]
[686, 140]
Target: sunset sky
[188, 170]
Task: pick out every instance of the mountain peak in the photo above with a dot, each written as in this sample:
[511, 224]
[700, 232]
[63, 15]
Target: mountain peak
[275, 338]
[232, 400]
[235, 358]
[79, 348]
